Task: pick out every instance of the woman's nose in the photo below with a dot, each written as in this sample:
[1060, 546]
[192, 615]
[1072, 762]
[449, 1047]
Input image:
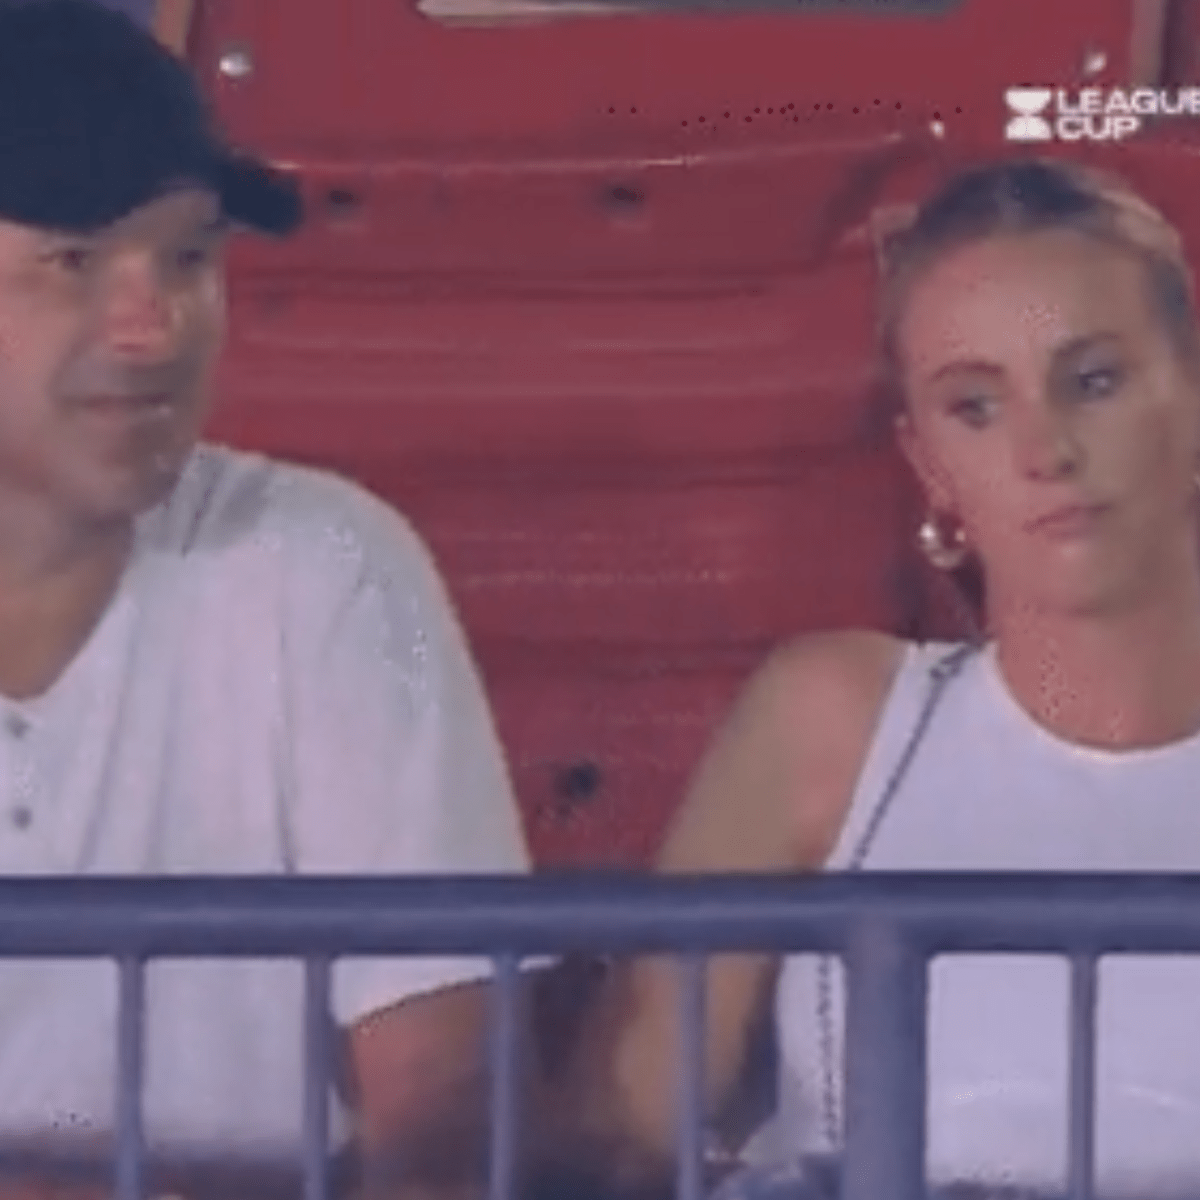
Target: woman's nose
[1045, 446]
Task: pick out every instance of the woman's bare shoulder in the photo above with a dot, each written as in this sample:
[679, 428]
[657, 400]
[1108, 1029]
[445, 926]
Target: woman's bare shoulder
[774, 787]
[855, 660]
[832, 688]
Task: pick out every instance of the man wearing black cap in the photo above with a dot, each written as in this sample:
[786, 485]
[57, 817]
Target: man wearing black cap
[209, 662]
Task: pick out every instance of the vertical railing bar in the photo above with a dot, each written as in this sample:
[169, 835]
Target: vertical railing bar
[885, 1065]
[318, 1062]
[131, 1007]
[693, 971]
[1082, 1130]
[506, 1051]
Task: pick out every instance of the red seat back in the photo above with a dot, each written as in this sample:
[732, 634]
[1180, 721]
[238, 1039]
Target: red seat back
[609, 347]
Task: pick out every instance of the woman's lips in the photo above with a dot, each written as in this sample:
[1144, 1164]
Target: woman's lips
[1076, 520]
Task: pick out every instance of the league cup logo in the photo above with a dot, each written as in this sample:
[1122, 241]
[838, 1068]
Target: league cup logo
[1027, 126]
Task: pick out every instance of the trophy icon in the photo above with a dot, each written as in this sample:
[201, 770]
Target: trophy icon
[1027, 126]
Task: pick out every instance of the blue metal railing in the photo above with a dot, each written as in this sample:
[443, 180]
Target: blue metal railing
[886, 928]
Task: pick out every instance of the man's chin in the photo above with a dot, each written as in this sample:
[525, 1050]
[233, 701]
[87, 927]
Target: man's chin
[126, 492]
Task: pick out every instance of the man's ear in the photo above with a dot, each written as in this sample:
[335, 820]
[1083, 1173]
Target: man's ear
[172, 24]
[913, 447]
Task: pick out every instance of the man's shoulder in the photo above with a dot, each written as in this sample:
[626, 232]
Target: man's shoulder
[237, 500]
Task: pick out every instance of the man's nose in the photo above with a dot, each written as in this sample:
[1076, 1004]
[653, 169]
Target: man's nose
[141, 316]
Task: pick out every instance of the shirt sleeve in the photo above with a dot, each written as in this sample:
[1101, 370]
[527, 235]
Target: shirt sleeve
[395, 763]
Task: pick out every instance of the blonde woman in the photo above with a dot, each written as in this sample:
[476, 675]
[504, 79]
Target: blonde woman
[1037, 323]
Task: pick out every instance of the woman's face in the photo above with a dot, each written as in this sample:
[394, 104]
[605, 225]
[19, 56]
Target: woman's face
[1039, 376]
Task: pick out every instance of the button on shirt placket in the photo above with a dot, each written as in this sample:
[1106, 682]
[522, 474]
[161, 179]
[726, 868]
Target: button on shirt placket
[21, 800]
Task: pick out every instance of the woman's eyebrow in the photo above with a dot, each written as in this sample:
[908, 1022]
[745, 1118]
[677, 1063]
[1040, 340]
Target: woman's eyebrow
[979, 366]
[1076, 345]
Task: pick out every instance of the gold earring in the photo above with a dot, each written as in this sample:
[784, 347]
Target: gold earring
[945, 558]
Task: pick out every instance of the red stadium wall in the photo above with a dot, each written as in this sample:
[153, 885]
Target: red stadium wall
[590, 301]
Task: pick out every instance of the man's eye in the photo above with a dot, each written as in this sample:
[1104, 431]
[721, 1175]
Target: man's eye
[194, 257]
[73, 259]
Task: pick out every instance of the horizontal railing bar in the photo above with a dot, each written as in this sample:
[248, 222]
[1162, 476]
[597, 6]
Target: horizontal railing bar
[634, 912]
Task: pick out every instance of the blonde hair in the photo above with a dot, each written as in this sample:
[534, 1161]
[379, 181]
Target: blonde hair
[1034, 195]
[1029, 195]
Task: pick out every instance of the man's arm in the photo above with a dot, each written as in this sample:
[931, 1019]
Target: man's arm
[396, 770]
[420, 1079]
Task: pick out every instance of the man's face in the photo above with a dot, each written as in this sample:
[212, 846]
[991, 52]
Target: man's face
[107, 346]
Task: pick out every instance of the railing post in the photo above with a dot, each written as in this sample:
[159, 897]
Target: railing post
[885, 1066]
[1082, 1129]
[693, 979]
[506, 1052]
[131, 1020]
[318, 1059]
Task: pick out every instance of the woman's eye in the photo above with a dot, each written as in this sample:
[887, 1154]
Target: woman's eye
[1100, 382]
[972, 409]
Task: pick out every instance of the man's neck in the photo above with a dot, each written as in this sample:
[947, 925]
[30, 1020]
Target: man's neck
[38, 557]
[51, 598]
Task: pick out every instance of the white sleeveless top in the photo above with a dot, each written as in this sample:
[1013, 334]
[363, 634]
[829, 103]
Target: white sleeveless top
[987, 788]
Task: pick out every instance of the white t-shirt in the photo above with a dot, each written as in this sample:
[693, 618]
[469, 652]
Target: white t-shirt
[278, 687]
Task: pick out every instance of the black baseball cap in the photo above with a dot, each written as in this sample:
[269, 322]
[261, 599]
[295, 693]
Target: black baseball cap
[97, 118]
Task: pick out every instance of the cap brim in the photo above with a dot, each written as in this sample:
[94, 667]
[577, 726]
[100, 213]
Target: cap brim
[258, 196]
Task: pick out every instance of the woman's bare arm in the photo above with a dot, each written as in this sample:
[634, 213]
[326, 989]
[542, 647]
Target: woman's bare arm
[769, 796]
